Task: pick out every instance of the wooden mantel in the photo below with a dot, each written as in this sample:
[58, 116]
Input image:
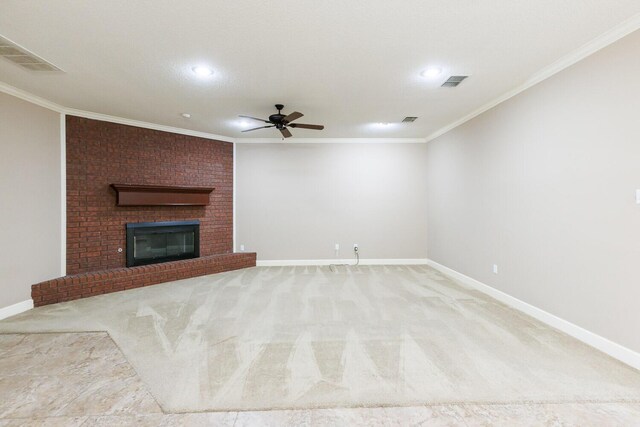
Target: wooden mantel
[161, 195]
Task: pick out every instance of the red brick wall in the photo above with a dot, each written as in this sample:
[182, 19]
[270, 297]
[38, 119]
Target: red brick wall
[101, 153]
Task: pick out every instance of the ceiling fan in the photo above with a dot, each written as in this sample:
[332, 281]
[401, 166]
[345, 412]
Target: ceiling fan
[282, 122]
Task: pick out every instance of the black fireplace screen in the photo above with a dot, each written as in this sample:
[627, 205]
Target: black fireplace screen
[155, 242]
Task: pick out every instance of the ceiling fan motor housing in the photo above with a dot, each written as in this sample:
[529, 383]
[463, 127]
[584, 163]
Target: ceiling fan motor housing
[276, 119]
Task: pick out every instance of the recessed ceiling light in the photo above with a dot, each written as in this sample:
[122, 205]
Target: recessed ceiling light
[202, 71]
[381, 126]
[431, 72]
[186, 115]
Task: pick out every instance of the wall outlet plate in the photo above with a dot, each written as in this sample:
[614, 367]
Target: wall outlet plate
[495, 268]
[337, 246]
[242, 248]
[638, 196]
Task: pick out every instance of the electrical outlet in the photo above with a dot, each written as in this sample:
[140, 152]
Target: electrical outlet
[638, 196]
[495, 268]
[241, 248]
[355, 247]
[337, 247]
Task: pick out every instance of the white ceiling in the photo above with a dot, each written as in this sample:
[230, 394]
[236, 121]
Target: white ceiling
[344, 64]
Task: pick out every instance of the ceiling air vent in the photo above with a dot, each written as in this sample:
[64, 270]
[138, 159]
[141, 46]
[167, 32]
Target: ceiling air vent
[409, 119]
[21, 56]
[454, 81]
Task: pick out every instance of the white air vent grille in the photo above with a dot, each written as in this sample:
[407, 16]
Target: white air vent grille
[409, 119]
[454, 81]
[21, 56]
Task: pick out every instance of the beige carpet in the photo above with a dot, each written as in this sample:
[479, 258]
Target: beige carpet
[304, 337]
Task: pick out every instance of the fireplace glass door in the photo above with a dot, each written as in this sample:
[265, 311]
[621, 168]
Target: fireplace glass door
[155, 242]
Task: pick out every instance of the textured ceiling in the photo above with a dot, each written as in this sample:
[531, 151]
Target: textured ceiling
[344, 64]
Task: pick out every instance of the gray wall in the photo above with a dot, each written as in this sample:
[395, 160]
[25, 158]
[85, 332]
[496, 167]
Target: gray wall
[295, 201]
[30, 189]
[544, 186]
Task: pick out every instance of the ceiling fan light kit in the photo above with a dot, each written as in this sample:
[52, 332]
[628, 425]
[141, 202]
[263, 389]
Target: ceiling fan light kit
[282, 122]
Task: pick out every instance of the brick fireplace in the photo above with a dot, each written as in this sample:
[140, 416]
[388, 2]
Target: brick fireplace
[101, 153]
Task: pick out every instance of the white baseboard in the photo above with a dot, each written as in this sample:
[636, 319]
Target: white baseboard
[17, 308]
[290, 262]
[614, 350]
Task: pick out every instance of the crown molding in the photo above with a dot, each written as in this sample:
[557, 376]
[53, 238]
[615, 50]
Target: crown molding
[19, 93]
[146, 125]
[29, 97]
[26, 96]
[330, 140]
[616, 33]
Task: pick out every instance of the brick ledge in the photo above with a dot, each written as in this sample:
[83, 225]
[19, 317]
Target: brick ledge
[85, 285]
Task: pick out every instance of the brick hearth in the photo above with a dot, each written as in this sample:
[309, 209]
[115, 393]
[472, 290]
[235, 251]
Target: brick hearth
[84, 285]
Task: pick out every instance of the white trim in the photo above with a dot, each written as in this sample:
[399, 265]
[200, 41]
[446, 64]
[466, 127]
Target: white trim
[614, 350]
[19, 93]
[17, 308]
[234, 197]
[146, 125]
[63, 195]
[627, 27]
[350, 261]
[616, 33]
[331, 140]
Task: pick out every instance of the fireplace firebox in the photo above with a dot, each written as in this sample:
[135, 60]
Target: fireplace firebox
[156, 242]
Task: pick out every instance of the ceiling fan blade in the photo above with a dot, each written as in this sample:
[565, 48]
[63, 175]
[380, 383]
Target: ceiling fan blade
[303, 126]
[255, 118]
[293, 116]
[285, 132]
[261, 127]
